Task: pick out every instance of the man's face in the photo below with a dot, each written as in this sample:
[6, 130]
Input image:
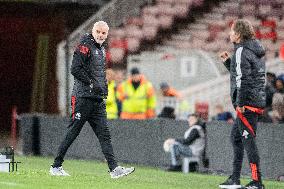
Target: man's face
[100, 33]
[234, 37]
[218, 109]
[192, 120]
[110, 74]
[279, 84]
[164, 89]
[136, 77]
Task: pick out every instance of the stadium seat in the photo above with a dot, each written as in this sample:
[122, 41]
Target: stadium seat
[133, 44]
[116, 54]
[150, 32]
[186, 161]
[182, 10]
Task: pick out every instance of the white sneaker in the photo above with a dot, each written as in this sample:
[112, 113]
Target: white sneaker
[121, 171]
[57, 171]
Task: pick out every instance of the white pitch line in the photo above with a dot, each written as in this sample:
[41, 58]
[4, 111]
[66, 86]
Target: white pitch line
[10, 183]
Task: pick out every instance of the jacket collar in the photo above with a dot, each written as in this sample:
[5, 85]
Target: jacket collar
[95, 43]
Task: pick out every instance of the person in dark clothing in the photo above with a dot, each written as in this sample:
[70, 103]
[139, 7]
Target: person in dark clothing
[269, 91]
[278, 101]
[167, 112]
[270, 88]
[192, 144]
[221, 115]
[88, 100]
[247, 70]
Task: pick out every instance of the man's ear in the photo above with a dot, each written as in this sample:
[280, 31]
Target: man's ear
[239, 36]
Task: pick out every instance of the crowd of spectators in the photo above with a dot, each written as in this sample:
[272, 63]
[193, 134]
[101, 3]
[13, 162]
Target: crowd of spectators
[137, 89]
[274, 110]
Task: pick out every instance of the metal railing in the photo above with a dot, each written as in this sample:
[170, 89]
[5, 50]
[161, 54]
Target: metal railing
[217, 91]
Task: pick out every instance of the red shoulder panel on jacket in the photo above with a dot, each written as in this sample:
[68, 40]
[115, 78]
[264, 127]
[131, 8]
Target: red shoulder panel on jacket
[83, 49]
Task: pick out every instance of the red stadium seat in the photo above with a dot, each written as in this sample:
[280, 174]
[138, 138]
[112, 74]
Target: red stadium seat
[202, 109]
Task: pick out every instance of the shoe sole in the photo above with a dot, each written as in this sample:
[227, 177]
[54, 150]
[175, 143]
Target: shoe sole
[231, 186]
[52, 174]
[123, 175]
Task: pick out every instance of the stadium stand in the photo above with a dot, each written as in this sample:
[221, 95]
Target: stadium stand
[191, 24]
[209, 33]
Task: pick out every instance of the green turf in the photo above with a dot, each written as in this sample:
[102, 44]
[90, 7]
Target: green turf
[33, 174]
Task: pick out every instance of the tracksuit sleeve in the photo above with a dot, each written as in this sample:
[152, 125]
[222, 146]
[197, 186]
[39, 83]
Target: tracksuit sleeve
[190, 139]
[227, 63]
[80, 57]
[243, 70]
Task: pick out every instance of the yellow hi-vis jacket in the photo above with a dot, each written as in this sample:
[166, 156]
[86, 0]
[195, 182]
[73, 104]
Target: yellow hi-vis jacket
[111, 105]
[139, 103]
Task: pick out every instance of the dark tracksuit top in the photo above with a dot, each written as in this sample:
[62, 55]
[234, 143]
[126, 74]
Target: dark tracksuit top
[89, 69]
[247, 71]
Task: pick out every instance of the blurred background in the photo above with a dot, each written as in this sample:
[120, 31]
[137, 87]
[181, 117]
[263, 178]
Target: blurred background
[173, 43]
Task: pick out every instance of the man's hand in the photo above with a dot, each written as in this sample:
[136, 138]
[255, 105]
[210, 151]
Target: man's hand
[241, 109]
[171, 141]
[224, 56]
[168, 143]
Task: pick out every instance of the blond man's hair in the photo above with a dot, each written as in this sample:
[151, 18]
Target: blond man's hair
[244, 28]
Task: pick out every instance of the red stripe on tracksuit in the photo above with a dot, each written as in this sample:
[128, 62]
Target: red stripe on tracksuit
[245, 121]
[73, 101]
[254, 174]
[255, 110]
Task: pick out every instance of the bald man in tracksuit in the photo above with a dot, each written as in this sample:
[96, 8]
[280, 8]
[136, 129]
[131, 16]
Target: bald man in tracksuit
[88, 100]
[247, 71]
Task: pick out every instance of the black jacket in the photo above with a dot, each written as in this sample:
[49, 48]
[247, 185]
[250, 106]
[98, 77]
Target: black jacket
[88, 68]
[247, 69]
[194, 134]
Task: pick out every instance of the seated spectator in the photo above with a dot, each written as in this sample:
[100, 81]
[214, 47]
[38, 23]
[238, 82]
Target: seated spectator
[279, 83]
[270, 88]
[167, 112]
[271, 78]
[221, 115]
[169, 91]
[193, 143]
[278, 101]
[269, 91]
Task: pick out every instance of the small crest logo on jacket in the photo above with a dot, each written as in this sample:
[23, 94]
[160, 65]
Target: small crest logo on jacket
[245, 134]
[78, 116]
[261, 70]
[96, 52]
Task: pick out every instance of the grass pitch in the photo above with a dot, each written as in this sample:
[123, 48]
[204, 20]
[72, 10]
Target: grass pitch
[33, 173]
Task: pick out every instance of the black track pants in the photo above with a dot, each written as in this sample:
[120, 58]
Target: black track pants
[243, 137]
[93, 111]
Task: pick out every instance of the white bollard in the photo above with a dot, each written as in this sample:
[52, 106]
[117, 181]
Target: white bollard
[4, 163]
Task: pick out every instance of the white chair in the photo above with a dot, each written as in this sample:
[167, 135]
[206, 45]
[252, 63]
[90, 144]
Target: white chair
[187, 160]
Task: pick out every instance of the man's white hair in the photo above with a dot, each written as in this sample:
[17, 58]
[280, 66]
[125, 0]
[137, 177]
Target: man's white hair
[100, 23]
